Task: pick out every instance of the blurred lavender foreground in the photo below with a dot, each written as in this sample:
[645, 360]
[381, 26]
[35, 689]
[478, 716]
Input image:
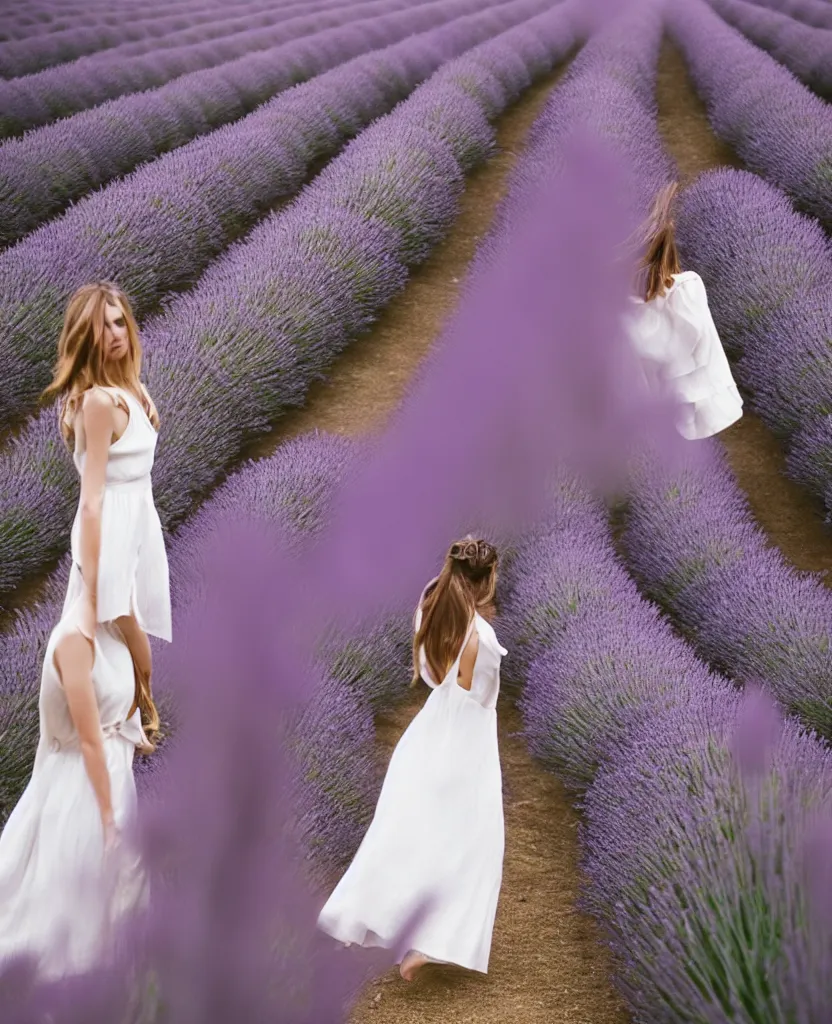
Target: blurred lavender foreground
[231, 933]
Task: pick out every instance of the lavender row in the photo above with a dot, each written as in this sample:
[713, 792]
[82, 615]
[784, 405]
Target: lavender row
[611, 695]
[805, 51]
[777, 126]
[26, 21]
[694, 546]
[159, 28]
[816, 13]
[618, 706]
[266, 320]
[141, 230]
[48, 168]
[609, 92]
[290, 495]
[60, 92]
[769, 292]
[34, 194]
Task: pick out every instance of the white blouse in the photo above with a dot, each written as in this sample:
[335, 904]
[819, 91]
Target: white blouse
[682, 357]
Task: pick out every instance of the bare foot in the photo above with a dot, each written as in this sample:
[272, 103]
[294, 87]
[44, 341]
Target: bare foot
[411, 964]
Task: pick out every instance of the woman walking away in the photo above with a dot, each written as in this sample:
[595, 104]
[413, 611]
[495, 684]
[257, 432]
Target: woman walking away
[61, 845]
[434, 850]
[674, 334]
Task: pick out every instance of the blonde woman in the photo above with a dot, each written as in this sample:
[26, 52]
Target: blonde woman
[96, 705]
[674, 335]
[436, 841]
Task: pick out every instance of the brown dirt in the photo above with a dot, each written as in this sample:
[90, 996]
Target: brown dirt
[547, 963]
[790, 516]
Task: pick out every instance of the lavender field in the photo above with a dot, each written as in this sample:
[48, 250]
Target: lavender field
[374, 248]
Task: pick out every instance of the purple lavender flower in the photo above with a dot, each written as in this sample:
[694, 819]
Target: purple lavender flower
[700, 879]
[226, 359]
[69, 88]
[692, 542]
[44, 171]
[778, 127]
[805, 51]
[769, 294]
[114, 37]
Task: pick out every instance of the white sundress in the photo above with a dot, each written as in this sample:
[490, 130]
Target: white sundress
[133, 573]
[682, 357]
[60, 898]
[438, 831]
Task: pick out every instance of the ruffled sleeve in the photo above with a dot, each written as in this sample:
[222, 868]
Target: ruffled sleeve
[698, 373]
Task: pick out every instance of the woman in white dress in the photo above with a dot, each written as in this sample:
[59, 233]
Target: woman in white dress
[434, 850]
[65, 875]
[674, 335]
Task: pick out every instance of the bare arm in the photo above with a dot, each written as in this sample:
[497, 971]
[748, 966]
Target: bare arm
[99, 421]
[467, 662]
[74, 659]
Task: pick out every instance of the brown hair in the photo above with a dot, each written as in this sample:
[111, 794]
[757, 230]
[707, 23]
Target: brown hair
[81, 362]
[661, 255]
[466, 584]
[143, 700]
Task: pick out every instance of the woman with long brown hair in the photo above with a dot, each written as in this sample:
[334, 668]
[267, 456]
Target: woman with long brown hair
[96, 706]
[434, 850]
[674, 334]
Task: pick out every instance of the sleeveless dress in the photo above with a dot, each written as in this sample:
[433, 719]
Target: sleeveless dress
[133, 573]
[61, 899]
[437, 838]
[682, 357]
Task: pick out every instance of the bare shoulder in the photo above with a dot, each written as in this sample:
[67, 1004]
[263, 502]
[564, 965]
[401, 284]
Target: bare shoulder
[98, 410]
[96, 401]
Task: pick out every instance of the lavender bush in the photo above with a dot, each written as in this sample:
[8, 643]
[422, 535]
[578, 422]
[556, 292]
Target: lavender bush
[594, 656]
[778, 127]
[266, 320]
[65, 90]
[769, 294]
[811, 12]
[114, 35]
[803, 50]
[141, 230]
[81, 152]
[702, 833]
[692, 541]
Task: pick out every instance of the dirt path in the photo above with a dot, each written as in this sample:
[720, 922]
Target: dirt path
[787, 513]
[547, 964]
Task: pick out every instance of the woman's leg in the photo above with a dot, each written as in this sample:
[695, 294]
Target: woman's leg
[411, 964]
[139, 646]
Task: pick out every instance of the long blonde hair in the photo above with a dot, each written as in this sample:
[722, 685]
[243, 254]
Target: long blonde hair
[466, 584]
[81, 362]
[81, 365]
[661, 255]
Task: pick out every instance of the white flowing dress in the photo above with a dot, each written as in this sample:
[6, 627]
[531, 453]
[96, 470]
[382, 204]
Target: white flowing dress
[437, 838]
[682, 357]
[133, 575]
[61, 899]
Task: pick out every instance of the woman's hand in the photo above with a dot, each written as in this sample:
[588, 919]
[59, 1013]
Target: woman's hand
[111, 834]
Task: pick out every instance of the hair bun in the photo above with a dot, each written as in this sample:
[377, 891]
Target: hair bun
[476, 554]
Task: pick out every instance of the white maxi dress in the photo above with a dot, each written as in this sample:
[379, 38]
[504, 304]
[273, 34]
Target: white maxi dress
[437, 838]
[682, 358]
[60, 898]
